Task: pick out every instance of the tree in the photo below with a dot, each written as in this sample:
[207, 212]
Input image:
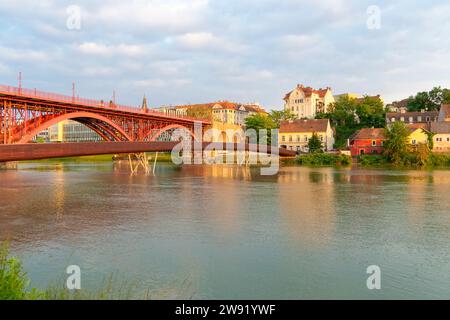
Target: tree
[371, 112]
[431, 100]
[260, 121]
[314, 144]
[200, 113]
[348, 115]
[396, 144]
[283, 115]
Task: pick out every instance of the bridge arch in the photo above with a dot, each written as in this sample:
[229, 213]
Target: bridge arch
[103, 126]
[151, 136]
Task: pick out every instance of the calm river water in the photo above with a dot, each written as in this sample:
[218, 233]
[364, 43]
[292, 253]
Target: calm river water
[224, 232]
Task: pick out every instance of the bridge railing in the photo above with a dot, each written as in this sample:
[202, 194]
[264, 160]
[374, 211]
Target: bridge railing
[55, 97]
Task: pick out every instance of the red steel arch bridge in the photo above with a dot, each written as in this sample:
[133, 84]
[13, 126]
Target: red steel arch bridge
[26, 112]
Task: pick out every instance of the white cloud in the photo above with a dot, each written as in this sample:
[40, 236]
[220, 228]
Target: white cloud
[169, 15]
[93, 48]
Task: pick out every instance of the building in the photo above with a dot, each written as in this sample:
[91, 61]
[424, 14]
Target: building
[444, 113]
[232, 113]
[306, 102]
[441, 138]
[347, 96]
[423, 117]
[367, 141]
[398, 106]
[42, 136]
[295, 134]
[71, 131]
[419, 133]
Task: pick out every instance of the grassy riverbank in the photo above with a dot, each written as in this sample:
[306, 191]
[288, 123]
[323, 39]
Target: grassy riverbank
[163, 157]
[321, 159]
[434, 160]
[15, 285]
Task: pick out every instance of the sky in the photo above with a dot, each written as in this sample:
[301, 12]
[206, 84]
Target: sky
[195, 51]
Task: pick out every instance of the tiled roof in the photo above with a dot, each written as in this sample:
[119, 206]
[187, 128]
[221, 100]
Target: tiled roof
[315, 125]
[398, 115]
[440, 127]
[415, 126]
[368, 133]
[445, 111]
[308, 91]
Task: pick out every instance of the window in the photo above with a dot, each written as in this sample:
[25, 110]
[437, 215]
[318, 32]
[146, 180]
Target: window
[411, 119]
[290, 138]
[306, 138]
[428, 119]
[321, 138]
[301, 100]
[414, 141]
[402, 119]
[283, 138]
[298, 138]
[374, 143]
[419, 119]
[393, 120]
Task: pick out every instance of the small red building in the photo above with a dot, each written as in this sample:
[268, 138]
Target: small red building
[367, 141]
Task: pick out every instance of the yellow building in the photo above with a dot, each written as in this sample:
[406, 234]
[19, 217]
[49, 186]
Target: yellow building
[418, 135]
[441, 138]
[347, 96]
[295, 135]
[306, 102]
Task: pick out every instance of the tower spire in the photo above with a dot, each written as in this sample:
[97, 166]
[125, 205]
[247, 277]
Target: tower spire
[144, 104]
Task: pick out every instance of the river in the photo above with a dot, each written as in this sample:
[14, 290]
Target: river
[226, 232]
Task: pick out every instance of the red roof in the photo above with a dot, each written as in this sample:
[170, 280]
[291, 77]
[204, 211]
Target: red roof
[369, 133]
[308, 91]
[315, 125]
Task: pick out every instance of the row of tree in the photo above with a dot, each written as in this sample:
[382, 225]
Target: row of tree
[431, 100]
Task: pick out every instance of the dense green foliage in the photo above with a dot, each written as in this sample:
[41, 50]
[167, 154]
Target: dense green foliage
[200, 113]
[348, 115]
[439, 160]
[396, 144]
[431, 100]
[373, 160]
[13, 280]
[314, 144]
[324, 159]
[281, 115]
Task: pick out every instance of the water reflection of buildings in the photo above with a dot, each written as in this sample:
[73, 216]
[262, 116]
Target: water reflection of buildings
[306, 202]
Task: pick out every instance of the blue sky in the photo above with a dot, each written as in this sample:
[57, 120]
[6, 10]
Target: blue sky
[179, 51]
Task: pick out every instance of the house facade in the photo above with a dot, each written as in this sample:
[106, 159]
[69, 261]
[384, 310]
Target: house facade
[367, 141]
[441, 138]
[306, 102]
[295, 134]
[423, 117]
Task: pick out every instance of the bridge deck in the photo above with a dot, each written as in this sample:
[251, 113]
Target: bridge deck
[36, 151]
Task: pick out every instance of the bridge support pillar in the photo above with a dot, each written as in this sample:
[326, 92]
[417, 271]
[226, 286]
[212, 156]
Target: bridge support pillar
[141, 160]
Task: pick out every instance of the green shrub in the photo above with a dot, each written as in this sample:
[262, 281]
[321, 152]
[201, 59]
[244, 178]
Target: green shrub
[13, 280]
[373, 160]
[439, 160]
[324, 159]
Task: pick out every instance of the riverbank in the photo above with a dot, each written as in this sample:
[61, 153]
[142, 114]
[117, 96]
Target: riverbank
[320, 159]
[163, 157]
[434, 161]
